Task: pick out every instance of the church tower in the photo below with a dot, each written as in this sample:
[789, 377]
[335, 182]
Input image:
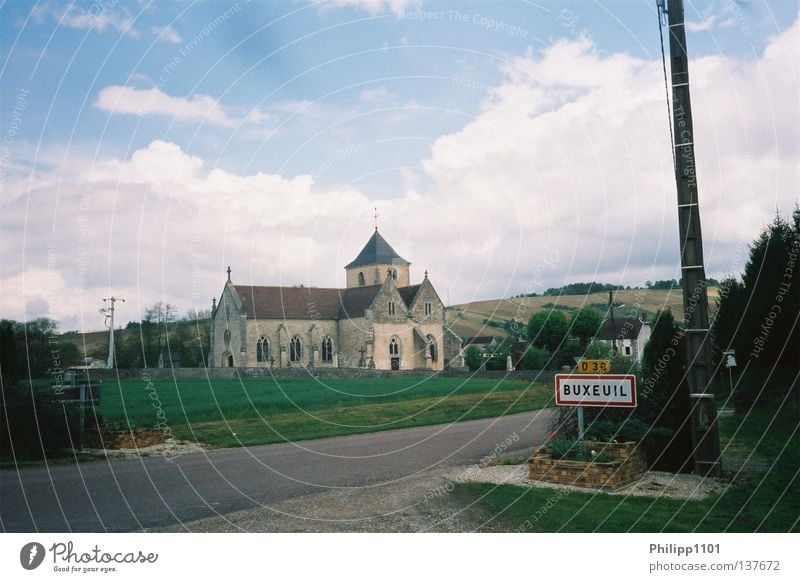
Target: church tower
[376, 261]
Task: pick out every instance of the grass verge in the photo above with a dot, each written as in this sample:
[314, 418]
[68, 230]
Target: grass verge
[761, 458]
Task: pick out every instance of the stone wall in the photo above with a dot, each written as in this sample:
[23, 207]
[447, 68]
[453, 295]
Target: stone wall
[545, 377]
[627, 465]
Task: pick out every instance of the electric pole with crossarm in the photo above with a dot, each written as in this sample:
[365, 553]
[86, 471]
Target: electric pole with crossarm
[109, 313]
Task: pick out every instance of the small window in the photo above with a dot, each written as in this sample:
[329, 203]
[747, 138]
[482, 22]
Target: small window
[227, 339]
[394, 347]
[391, 308]
[295, 349]
[327, 349]
[361, 281]
[627, 350]
[262, 350]
[394, 274]
[428, 308]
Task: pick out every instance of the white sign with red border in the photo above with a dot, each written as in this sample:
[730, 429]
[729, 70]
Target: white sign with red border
[596, 390]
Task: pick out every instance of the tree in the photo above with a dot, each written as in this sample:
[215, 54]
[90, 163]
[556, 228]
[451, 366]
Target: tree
[154, 330]
[192, 338]
[758, 317]
[547, 329]
[584, 325]
[597, 350]
[473, 358]
[9, 363]
[36, 345]
[535, 358]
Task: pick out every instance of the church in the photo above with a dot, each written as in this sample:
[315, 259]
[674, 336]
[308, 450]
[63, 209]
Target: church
[380, 321]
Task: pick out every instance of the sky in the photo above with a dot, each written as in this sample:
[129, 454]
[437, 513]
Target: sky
[508, 147]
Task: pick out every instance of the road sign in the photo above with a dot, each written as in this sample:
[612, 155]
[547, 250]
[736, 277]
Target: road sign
[594, 366]
[596, 390]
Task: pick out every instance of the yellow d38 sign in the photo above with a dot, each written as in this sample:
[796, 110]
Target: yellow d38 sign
[594, 366]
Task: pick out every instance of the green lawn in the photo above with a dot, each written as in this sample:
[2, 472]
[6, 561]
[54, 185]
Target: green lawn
[765, 498]
[257, 411]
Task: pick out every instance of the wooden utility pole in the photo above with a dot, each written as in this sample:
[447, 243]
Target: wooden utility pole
[705, 432]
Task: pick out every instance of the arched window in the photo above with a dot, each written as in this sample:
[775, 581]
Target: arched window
[295, 349]
[394, 347]
[227, 339]
[361, 280]
[432, 347]
[327, 349]
[262, 349]
[394, 274]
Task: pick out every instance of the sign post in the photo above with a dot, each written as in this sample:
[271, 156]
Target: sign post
[730, 363]
[616, 390]
[590, 367]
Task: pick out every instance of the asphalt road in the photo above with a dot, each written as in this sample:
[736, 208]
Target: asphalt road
[129, 495]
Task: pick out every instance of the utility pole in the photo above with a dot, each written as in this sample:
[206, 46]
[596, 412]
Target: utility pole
[109, 313]
[613, 325]
[705, 431]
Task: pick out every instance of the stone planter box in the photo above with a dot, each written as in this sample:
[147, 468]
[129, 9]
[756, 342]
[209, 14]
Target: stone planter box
[627, 465]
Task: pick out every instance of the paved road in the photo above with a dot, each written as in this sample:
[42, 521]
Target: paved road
[129, 495]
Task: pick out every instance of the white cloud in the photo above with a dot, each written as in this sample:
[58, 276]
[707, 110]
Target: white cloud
[167, 34]
[396, 7]
[378, 94]
[98, 16]
[571, 151]
[130, 100]
[716, 16]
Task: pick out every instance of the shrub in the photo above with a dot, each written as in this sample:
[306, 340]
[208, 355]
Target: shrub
[33, 425]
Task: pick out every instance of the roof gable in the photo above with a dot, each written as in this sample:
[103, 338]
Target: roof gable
[377, 251]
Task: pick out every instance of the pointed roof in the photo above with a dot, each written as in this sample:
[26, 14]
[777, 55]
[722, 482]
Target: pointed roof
[377, 250]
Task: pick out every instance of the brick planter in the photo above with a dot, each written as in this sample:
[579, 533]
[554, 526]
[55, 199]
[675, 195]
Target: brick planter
[628, 465]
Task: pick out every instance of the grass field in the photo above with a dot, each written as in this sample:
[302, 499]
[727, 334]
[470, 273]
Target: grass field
[763, 498]
[226, 413]
[469, 319]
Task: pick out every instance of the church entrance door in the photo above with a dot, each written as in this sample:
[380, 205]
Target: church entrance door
[395, 363]
[230, 361]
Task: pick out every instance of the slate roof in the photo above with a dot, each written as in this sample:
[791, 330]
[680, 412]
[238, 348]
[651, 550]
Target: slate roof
[408, 293]
[304, 302]
[377, 250]
[311, 302]
[623, 328]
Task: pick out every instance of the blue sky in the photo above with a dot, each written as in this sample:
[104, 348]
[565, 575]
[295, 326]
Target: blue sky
[150, 144]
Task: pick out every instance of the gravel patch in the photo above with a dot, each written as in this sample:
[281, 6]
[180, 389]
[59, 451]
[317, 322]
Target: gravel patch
[420, 503]
[171, 450]
[652, 483]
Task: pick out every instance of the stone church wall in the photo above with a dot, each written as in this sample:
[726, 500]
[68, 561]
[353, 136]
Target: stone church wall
[279, 332]
[376, 274]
